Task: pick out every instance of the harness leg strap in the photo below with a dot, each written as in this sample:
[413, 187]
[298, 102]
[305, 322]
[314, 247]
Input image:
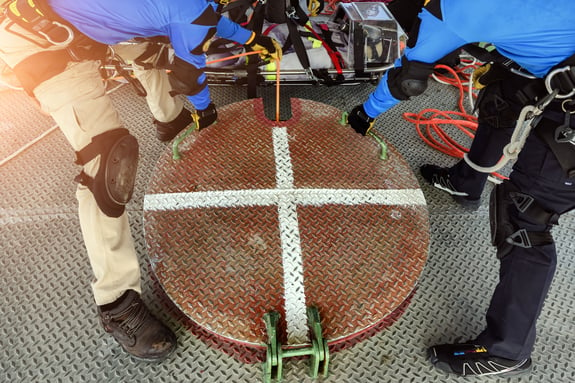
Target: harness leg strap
[506, 203]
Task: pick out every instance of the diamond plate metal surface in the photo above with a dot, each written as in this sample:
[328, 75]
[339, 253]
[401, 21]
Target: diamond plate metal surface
[224, 253]
[49, 331]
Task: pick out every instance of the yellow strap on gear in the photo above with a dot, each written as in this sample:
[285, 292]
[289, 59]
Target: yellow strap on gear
[13, 7]
[315, 43]
[478, 73]
[28, 15]
[206, 45]
[313, 6]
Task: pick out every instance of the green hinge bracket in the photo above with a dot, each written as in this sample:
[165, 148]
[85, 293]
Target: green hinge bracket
[318, 352]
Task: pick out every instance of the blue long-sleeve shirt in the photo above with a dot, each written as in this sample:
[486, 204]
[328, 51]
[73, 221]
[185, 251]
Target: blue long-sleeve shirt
[114, 21]
[535, 34]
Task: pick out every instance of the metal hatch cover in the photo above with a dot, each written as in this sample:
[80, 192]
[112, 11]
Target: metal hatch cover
[263, 215]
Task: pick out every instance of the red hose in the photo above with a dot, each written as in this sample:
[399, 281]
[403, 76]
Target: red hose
[430, 123]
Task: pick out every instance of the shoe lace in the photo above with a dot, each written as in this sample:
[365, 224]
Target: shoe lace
[132, 318]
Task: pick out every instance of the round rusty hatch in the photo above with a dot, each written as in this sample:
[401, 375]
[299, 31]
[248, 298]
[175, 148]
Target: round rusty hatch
[260, 215]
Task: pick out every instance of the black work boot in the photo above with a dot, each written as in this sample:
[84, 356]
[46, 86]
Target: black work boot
[136, 329]
[165, 131]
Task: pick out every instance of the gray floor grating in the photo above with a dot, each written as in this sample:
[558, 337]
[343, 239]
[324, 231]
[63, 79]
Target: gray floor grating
[48, 328]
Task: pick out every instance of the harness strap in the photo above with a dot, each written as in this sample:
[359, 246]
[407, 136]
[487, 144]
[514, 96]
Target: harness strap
[528, 206]
[563, 151]
[296, 16]
[256, 23]
[98, 145]
[527, 239]
[157, 46]
[358, 50]
[333, 55]
[236, 9]
[36, 17]
[295, 40]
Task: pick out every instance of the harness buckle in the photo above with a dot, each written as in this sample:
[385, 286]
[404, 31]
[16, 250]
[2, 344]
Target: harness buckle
[311, 75]
[291, 12]
[519, 238]
[562, 79]
[46, 35]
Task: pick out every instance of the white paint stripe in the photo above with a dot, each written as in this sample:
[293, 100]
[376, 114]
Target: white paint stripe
[284, 170]
[292, 259]
[268, 197]
[287, 199]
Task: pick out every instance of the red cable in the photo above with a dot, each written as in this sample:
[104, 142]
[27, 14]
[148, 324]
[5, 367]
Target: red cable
[333, 55]
[429, 123]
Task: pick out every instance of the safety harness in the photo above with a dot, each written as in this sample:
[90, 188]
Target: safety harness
[36, 17]
[552, 95]
[555, 94]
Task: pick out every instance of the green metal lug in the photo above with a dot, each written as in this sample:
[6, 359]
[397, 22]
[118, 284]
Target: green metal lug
[318, 352]
[320, 357]
[176, 144]
[382, 145]
[273, 364]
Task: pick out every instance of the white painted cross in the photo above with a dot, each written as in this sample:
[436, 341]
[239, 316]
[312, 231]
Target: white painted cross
[287, 199]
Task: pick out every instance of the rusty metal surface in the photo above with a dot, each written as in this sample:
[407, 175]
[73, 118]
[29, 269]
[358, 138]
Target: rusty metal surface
[263, 215]
[49, 331]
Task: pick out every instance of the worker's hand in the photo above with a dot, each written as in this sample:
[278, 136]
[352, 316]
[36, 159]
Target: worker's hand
[269, 48]
[359, 120]
[206, 117]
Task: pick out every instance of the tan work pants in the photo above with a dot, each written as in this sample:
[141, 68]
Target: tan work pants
[77, 101]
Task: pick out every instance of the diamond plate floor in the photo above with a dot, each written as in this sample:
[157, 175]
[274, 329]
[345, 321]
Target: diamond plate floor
[48, 326]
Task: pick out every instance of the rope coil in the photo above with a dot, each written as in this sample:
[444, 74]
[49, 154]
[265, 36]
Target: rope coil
[430, 123]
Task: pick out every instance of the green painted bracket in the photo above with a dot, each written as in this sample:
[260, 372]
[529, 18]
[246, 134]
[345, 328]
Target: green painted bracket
[343, 119]
[318, 351]
[176, 144]
[380, 142]
[382, 145]
[273, 363]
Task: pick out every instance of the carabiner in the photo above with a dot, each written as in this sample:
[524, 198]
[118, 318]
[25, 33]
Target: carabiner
[550, 77]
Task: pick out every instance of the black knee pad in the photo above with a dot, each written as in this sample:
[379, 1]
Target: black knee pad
[184, 78]
[409, 80]
[113, 184]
